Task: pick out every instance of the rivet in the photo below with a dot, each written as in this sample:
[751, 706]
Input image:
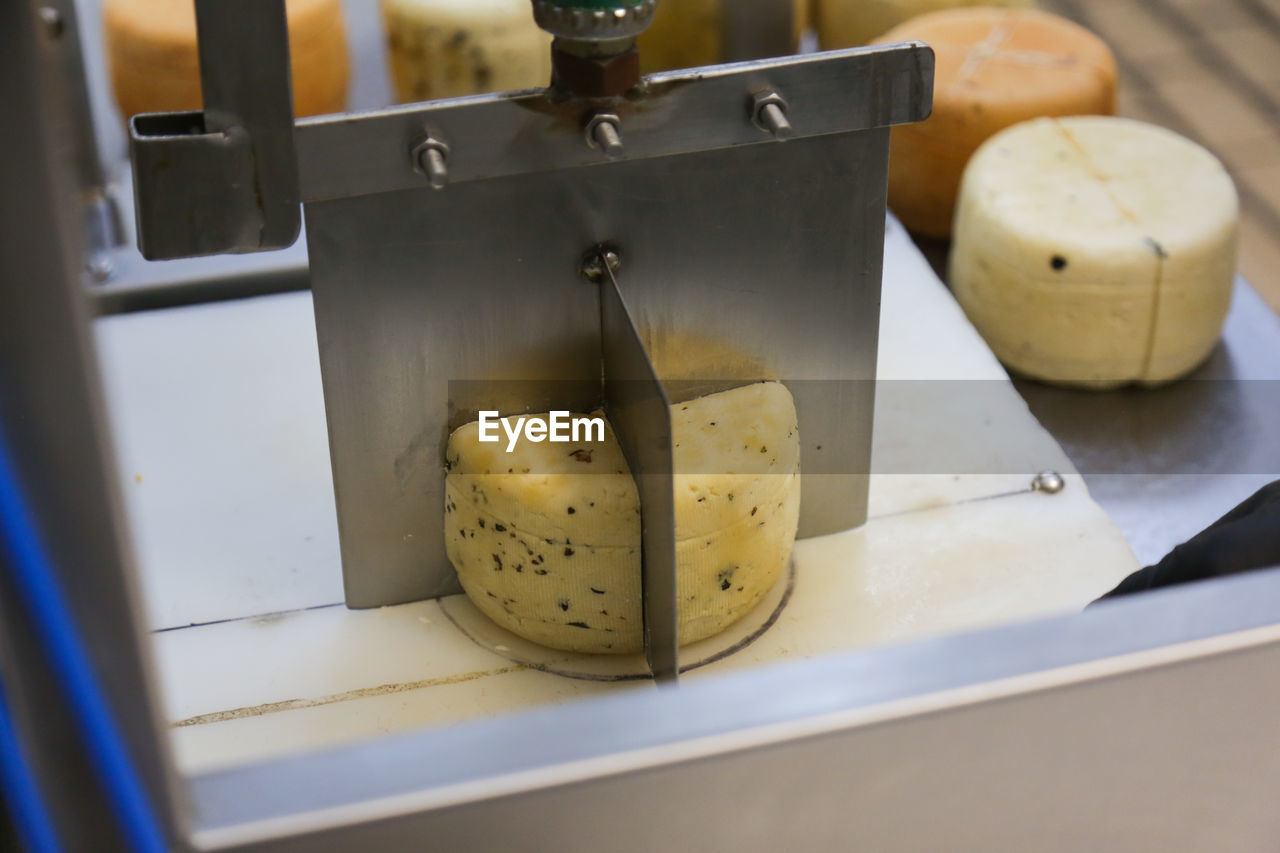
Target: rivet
[1049, 482]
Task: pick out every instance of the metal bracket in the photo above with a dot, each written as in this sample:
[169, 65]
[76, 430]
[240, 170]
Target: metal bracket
[224, 179]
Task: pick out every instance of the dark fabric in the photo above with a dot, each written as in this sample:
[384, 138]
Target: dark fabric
[1245, 539]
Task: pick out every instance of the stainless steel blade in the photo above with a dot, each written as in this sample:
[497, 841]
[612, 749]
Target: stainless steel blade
[640, 412]
[746, 260]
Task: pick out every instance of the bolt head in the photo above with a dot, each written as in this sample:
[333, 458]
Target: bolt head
[100, 268]
[52, 21]
[762, 99]
[596, 78]
[593, 263]
[420, 157]
[595, 135]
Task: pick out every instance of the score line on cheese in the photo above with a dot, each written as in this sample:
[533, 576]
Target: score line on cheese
[546, 539]
[1096, 251]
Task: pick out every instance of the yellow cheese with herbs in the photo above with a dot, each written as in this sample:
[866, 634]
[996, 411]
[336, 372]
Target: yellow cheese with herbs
[450, 48]
[546, 538]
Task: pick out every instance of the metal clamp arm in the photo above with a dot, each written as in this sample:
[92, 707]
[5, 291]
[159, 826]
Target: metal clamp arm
[224, 179]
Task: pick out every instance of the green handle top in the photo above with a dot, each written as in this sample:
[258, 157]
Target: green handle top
[591, 21]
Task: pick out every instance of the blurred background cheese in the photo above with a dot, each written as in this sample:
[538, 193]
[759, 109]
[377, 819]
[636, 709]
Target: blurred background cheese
[995, 68]
[451, 48]
[689, 33]
[1095, 251]
[546, 539]
[154, 66]
[853, 23]
[684, 34]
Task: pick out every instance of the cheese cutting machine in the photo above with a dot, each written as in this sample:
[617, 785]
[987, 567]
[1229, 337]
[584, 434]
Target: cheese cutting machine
[447, 242]
[1004, 738]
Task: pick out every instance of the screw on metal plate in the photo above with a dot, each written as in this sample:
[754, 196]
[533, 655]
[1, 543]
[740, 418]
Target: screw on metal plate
[769, 113]
[52, 20]
[593, 262]
[604, 131]
[1049, 482]
[430, 157]
[100, 269]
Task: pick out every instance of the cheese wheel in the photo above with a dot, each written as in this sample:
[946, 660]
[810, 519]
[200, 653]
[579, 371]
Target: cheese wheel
[154, 64]
[451, 48]
[853, 23]
[689, 33]
[684, 34]
[546, 539]
[994, 69]
[1095, 251]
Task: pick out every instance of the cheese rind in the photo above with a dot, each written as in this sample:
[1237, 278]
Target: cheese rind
[685, 34]
[853, 23]
[993, 69]
[546, 540]
[690, 33]
[1095, 251]
[448, 48]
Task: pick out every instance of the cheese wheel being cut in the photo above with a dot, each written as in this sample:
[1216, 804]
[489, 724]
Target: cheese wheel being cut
[1096, 251]
[994, 68]
[853, 23]
[546, 539]
[452, 48]
[154, 64]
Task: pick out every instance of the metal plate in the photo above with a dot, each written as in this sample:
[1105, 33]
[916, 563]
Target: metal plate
[682, 112]
[752, 262]
[640, 412]
[1143, 720]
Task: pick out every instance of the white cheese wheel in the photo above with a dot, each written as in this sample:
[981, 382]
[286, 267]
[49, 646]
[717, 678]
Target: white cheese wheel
[451, 48]
[546, 539]
[853, 23]
[1095, 251]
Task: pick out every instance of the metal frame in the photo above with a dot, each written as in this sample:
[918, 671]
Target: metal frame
[1142, 724]
[50, 408]
[427, 227]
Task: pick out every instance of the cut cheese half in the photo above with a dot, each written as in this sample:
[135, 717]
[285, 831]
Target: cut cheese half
[451, 48]
[546, 539]
[1096, 251]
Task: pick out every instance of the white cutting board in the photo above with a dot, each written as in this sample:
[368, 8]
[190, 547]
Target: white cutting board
[219, 425]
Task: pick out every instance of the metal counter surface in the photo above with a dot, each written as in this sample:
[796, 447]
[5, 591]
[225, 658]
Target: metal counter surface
[1166, 462]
